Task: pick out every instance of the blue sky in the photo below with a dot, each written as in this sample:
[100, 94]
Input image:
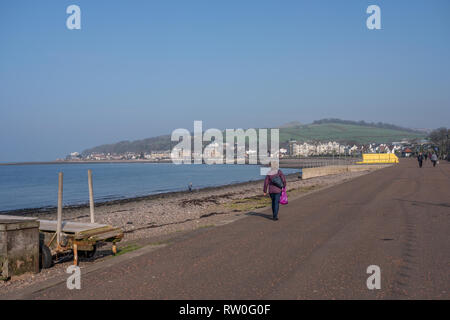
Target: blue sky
[138, 69]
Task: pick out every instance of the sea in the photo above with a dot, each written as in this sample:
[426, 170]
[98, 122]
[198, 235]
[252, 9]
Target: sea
[36, 186]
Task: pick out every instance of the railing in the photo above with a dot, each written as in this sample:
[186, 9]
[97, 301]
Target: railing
[315, 162]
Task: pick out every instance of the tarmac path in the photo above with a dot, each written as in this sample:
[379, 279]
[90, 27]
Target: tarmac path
[397, 218]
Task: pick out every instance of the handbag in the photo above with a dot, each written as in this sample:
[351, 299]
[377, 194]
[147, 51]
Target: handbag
[277, 182]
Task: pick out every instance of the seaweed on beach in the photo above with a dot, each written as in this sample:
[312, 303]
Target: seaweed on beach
[206, 200]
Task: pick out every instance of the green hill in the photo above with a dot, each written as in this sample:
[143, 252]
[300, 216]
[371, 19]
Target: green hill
[343, 131]
[145, 145]
[346, 133]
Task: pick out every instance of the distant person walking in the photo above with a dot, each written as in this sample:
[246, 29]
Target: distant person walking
[434, 159]
[274, 183]
[420, 159]
[190, 187]
[425, 156]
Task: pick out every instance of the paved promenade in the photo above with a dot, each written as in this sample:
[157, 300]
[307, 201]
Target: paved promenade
[397, 218]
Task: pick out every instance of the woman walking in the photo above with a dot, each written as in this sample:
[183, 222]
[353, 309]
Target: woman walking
[434, 159]
[275, 181]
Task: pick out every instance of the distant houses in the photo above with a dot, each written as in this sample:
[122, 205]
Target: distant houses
[74, 156]
[97, 156]
[403, 148]
[310, 149]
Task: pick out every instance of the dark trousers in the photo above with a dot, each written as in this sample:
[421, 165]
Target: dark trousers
[275, 203]
[420, 164]
[434, 163]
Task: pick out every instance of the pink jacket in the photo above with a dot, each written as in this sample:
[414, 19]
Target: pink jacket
[273, 188]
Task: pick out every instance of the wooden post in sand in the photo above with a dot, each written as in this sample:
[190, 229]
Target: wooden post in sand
[91, 195]
[60, 201]
[75, 254]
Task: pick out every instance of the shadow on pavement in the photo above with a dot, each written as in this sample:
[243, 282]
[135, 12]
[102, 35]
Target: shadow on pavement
[259, 214]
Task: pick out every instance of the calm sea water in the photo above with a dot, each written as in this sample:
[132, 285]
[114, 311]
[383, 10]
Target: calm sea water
[36, 186]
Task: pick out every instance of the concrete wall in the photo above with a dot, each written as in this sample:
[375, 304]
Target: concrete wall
[19, 247]
[325, 171]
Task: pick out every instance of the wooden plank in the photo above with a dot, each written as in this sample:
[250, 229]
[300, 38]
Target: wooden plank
[113, 233]
[93, 232]
[69, 227]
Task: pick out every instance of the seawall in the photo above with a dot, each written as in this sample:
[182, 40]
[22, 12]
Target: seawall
[329, 170]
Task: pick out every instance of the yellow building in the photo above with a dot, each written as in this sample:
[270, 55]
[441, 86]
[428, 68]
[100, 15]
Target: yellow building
[369, 158]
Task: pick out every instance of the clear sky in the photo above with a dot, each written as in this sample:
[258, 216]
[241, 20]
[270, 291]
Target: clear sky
[137, 69]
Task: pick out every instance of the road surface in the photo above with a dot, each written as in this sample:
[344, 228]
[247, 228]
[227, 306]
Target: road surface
[396, 218]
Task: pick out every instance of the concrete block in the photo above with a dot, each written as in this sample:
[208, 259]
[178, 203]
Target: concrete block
[19, 246]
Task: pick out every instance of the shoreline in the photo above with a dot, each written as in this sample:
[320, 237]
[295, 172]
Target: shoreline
[31, 163]
[125, 199]
[287, 161]
[121, 201]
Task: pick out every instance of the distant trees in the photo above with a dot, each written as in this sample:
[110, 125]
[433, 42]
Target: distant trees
[138, 146]
[441, 138]
[381, 125]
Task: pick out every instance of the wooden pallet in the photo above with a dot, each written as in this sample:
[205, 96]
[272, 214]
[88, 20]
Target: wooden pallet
[81, 230]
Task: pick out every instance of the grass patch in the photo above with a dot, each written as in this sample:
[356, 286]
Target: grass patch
[303, 189]
[249, 203]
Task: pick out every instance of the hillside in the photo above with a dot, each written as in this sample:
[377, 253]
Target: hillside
[346, 133]
[151, 144]
[322, 130]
